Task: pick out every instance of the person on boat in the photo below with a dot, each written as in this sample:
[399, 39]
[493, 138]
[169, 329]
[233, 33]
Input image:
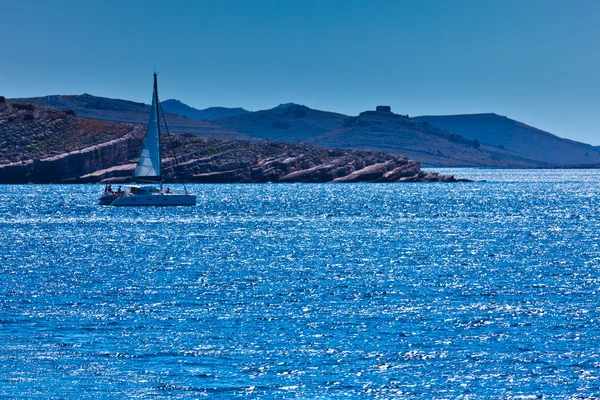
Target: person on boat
[168, 191]
[119, 192]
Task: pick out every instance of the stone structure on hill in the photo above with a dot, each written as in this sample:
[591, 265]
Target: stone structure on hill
[383, 109]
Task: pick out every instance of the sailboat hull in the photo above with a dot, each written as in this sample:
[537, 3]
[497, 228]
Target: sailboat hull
[106, 200]
[159, 199]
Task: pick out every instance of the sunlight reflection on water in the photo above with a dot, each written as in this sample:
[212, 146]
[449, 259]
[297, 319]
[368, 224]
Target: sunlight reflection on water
[479, 290]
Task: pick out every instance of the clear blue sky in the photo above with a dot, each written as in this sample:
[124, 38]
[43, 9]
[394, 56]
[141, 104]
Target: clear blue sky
[537, 61]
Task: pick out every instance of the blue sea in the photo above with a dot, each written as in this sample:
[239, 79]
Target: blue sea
[482, 290]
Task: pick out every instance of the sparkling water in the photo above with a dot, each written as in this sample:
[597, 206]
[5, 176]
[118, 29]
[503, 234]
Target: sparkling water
[466, 290]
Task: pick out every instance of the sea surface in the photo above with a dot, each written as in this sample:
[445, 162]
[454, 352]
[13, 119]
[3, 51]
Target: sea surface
[482, 290]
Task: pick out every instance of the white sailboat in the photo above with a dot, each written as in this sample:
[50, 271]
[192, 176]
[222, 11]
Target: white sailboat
[148, 169]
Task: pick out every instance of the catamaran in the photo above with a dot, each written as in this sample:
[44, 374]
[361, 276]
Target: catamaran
[148, 169]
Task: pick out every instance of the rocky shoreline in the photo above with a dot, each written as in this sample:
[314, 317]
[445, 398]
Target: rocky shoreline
[109, 154]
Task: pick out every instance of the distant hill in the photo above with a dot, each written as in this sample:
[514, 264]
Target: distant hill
[496, 130]
[177, 107]
[372, 130]
[398, 134]
[284, 123]
[129, 112]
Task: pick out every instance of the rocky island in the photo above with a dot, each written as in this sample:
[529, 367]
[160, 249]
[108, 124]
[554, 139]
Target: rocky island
[41, 144]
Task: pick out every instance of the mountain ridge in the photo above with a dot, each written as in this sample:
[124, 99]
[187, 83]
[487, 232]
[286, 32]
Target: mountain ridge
[502, 142]
[177, 107]
[290, 123]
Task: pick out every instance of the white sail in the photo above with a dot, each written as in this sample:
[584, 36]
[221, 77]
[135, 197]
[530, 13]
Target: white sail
[149, 162]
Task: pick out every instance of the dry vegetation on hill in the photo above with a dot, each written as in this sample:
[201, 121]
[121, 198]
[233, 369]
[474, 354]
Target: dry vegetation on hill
[29, 132]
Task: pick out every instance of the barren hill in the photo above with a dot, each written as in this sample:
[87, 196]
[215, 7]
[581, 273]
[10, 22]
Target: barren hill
[398, 134]
[496, 130]
[129, 112]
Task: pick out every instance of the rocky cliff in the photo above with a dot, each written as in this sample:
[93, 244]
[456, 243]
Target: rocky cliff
[45, 145]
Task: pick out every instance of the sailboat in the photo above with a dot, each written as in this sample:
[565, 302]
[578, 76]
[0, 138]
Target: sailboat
[148, 169]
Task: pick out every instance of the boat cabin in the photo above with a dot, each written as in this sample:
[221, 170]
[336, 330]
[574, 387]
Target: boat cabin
[141, 190]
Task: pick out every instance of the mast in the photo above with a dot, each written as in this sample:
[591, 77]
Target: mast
[158, 124]
[168, 133]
